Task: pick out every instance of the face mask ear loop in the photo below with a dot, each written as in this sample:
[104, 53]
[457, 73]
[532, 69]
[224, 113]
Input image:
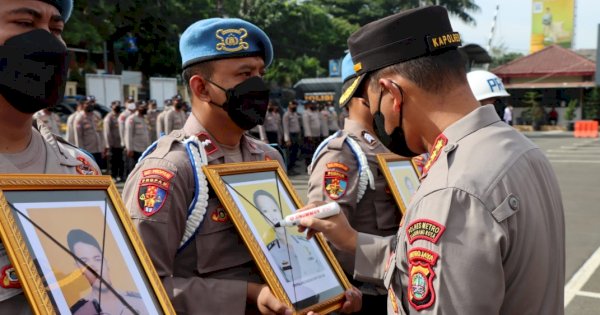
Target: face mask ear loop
[222, 89]
[402, 105]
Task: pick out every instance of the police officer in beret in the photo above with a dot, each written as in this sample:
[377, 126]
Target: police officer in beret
[484, 233]
[28, 28]
[345, 169]
[202, 261]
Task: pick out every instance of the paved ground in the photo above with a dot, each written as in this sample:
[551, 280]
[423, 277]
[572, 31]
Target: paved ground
[577, 166]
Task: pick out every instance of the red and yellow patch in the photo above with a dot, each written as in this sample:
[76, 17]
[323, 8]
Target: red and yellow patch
[220, 215]
[338, 165]
[425, 230]
[439, 144]
[211, 147]
[8, 278]
[421, 292]
[153, 190]
[335, 184]
[85, 168]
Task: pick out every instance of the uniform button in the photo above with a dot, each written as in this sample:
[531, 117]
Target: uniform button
[450, 147]
[513, 202]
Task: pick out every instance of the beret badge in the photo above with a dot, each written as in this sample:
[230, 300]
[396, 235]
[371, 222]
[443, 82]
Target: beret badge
[232, 40]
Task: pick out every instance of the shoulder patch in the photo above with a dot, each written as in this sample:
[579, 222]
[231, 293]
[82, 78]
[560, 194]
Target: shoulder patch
[211, 147]
[85, 168]
[335, 184]
[424, 229]
[153, 190]
[368, 137]
[338, 165]
[421, 293]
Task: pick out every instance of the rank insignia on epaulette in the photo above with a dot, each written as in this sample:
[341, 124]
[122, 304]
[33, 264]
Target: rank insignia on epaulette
[8, 278]
[335, 184]
[232, 40]
[211, 147]
[85, 168]
[369, 138]
[153, 190]
[421, 292]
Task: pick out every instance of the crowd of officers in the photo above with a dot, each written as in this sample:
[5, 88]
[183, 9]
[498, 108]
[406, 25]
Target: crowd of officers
[117, 140]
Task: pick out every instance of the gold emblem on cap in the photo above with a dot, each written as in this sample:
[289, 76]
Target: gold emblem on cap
[358, 67]
[232, 40]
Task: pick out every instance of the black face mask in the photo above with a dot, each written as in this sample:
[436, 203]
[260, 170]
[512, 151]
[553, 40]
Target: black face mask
[395, 142]
[246, 102]
[89, 109]
[293, 109]
[178, 106]
[33, 70]
[143, 112]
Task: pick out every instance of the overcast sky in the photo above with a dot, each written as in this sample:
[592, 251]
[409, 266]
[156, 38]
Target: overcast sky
[513, 27]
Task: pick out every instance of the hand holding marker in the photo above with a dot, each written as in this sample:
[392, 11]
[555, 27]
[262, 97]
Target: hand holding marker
[320, 212]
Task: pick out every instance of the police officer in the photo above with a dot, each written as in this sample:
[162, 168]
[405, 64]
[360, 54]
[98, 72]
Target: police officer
[332, 118]
[311, 123]
[50, 119]
[273, 124]
[23, 91]
[112, 140]
[175, 119]
[71, 121]
[292, 130]
[207, 270]
[86, 133]
[488, 89]
[137, 134]
[151, 118]
[130, 108]
[345, 169]
[477, 237]
[160, 119]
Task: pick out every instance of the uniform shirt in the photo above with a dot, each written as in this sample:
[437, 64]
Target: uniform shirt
[137, 136]
[342, 117]
[71, 126]
[112, 137]
[86, 134]
[291, 124]
[272, 122]
[47, 154]
[160, 121]
[50, 119]
[151, 118]
[210, 275]
[334, 176]
[311, 121]
[174, 120]
[484, 233]
[122, 118]
[332, 122]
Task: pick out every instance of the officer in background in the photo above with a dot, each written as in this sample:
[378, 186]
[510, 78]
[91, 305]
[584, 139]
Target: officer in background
[160, 119]
[23, 91]
[346, 170]
[332, 119]
[478, 237]
[137, 134]
[151, 119]
[86, 133]
[130, 108]
[292, 131]
[273, 123]
[311, 123]
[324, 112]
[175, 119]
[71, 120]
[342, 117]
[50, 119]
[112, 140]
[207, 270]
[488, 89]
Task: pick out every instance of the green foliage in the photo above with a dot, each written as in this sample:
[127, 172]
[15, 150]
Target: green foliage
[535, 111]
[570, 111]
[591, 104]
[285, 72]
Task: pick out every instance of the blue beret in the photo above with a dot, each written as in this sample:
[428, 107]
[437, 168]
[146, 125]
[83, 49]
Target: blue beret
[219, 38]
[348, 73]
[65, 7]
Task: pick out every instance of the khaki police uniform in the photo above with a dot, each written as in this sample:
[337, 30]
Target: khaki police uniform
[174, 120]
[112, 140]
[332, 122]
[71, 126]
[86, 133]
[122, 118]
[50, 119]
[334, 176]
[481, 201]
[343, 116]
[210, 274]
[311, 121]
[160, 121]
[151, 122]
[272, 127]
[292, 129]
[137, 136]
[324, 122]
[48, 154]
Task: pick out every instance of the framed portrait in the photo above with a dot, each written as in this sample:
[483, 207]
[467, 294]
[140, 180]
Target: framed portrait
[73, 248]
[302, 273]
[402, 176]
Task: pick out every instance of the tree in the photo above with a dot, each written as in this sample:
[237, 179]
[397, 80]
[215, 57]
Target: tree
[535, 112]
[591, 104]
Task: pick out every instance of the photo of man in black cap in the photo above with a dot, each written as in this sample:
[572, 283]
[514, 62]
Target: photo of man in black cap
[477, 237]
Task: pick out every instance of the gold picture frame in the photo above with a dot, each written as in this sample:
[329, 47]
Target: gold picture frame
[302, 273]
[56, 229]
[402, 176]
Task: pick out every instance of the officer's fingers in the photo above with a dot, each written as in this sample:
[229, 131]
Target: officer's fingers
[272, 304]
[311, 205]
[353, 301]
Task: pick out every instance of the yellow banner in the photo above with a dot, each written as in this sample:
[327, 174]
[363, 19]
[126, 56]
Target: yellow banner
[552, 23]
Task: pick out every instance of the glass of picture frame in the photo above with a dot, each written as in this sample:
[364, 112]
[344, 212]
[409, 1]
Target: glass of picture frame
[402, 176]
[302, 273]
[74, 249]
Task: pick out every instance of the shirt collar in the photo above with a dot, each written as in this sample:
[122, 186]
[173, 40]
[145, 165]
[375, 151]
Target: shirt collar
[481, 117]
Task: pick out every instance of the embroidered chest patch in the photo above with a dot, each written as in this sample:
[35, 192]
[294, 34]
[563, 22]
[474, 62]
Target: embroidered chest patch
[425, 230]
[335, 184]
[85, 168]
[153, 190]
[8, 278]
[219, 215]
[421, 292]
